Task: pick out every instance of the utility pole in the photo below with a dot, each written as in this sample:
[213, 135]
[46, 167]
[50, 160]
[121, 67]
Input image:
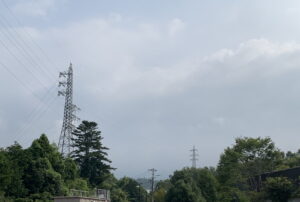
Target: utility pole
[65, 138]
[194, 157]
[152, 170]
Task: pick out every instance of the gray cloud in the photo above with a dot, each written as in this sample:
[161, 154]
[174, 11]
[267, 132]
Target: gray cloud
[153, 100]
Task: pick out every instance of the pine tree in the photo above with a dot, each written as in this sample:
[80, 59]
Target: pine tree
[90, 154]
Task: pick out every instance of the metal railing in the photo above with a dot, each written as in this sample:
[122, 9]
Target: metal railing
[101, 194]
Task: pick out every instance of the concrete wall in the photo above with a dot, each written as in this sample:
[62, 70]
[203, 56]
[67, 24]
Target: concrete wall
[290, 200]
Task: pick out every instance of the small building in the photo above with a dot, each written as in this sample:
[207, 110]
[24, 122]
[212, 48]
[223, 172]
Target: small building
[256, 182]
[77, 199]
[98, 195]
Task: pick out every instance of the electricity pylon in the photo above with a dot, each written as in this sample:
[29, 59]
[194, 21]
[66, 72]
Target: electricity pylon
[194, 157]
[65, 138]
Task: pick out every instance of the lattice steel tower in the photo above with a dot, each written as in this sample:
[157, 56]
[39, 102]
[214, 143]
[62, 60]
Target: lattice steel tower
[194, 157]
[65, 138]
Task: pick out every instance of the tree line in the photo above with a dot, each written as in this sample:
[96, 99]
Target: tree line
[39, 172]
[229, 180]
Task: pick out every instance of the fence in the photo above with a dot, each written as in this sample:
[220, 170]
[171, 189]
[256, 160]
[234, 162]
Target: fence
[101, 194]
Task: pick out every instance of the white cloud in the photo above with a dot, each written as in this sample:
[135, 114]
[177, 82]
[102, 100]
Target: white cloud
[255, 57]
[34, 8]
[115, 17]
[253, 49]
[175, 26]
[116, 56]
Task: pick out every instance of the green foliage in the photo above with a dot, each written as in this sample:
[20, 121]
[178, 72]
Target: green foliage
[201, 180]
[118, 195]
[41, 197]
[78, 184]
[183, 191]
[161, 189]
[229, 194]
[40, 172]
[19, 160]
[207, 183]
[36, 173]
[292, 159]
[5, 171]
[70, 171]
[90, 154]
[39, 175]
[248, 157]
[279, 189]
[160, 195]
[163, 184]
[133, 189]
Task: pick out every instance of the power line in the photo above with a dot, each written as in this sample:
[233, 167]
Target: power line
[32, 58]
[29, 35]
[21, 63]
[9, 24]
[37, 116]
[44, 105]
[26, 55]
[24, 85]
[15, 39]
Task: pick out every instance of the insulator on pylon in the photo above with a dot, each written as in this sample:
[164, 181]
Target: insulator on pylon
[62, 83]
[62, 74]
[61, 93]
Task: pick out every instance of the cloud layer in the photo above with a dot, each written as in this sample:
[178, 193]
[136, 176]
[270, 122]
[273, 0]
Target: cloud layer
[152, 90]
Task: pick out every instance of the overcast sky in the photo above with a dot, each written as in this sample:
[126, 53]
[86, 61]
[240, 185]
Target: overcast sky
[157, 76]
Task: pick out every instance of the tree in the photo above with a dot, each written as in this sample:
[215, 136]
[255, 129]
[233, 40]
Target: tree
[207, 183]
[133, 189]
[37, 173]
[161, 189]
[90, 154]
[201, 179]
[230, 194]
[40, 177]
[19, 161]
[292, 159]
[160, 195]
[117, 194]
[247, 158]
[163, 184]
[279, 189]
[182, 191]
[5, 171]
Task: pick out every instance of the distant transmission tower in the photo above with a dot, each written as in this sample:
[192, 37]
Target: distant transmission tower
[65, 142]
[194, 158]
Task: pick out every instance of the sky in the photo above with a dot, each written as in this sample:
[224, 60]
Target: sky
[159, 77]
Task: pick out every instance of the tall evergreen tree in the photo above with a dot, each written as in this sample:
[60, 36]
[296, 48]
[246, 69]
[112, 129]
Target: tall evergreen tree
[90, 154]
